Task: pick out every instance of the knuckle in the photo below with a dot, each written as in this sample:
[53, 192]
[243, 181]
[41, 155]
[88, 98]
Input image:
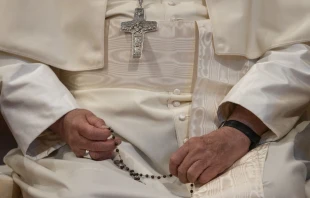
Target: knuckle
[192, 140]
[174, 158]
[191, 176]
[75, 123]
[200, 147]
[181, 170]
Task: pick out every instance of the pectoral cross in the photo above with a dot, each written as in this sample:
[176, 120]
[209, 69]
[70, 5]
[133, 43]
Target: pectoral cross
[138, 27]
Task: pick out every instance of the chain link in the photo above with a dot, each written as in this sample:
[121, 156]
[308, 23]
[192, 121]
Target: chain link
[140, 3]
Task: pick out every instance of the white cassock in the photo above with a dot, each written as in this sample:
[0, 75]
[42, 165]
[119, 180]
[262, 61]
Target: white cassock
[179, 89]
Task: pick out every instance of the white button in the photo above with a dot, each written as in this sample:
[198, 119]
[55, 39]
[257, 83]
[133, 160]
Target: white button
[176, 103]
[185, 140]
[182, 117]
[171, 3]
[177, 92]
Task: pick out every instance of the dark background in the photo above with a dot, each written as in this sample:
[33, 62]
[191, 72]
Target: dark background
[7, 141]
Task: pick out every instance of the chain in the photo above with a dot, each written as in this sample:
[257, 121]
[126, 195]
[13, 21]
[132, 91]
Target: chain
[140, 3]
[135, 175]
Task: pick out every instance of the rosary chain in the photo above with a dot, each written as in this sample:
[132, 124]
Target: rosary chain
[137, 176]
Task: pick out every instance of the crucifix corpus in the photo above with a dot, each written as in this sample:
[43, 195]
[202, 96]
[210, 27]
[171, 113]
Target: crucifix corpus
[138, 27]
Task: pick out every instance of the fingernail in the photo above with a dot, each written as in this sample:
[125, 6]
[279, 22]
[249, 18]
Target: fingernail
[104, 127]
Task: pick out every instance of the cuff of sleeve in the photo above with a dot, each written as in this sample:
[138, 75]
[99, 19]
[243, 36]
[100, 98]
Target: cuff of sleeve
[48, 141]
[276, 131]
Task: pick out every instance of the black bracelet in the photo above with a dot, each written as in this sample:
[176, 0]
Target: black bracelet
[254, 138]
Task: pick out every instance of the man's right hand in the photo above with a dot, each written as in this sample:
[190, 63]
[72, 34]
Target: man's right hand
[82, 130]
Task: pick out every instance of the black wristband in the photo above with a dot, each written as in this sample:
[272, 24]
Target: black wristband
[254, 138]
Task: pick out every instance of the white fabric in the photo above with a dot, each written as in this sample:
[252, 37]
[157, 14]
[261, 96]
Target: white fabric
[72, 38]
[250, 28]
[216, 75]
[135, 97]
[26, 106]
[54, 32]
[287, 165]
[276, 90]
[134, 111]
[243, 179]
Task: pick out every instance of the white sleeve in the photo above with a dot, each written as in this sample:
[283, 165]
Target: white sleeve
[276, 90]
[32, 99]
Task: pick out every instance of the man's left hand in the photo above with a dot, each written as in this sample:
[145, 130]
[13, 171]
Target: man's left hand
[203, 158]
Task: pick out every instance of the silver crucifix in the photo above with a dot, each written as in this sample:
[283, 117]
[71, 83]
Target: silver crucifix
[138, 27]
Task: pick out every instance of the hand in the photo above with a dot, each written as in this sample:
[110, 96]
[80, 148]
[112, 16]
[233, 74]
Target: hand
[82, 130]
[201, 159]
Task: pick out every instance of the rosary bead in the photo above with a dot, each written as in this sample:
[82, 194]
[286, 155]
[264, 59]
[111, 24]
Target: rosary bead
[136, 178]
[141, 175]
[116, 162]
[117, 150]
[121, 161]
[152, 176]
[158, 177]
[127, 169]
[132, 171]
[147, 176]
[192, 185]
[170, 175]
[192, 191]
[164, 176]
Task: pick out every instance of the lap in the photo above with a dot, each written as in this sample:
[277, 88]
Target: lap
[64, 175]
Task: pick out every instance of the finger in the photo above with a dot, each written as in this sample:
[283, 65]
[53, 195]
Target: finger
[99, 156]
[95, 121]
[93, 133]
[195, 171]
[117, 141]
[79, 152]
[183, 168]
[98, 146]
[177, 158]
[207, 175]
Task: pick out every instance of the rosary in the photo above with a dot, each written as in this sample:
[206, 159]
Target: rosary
[137, 176]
